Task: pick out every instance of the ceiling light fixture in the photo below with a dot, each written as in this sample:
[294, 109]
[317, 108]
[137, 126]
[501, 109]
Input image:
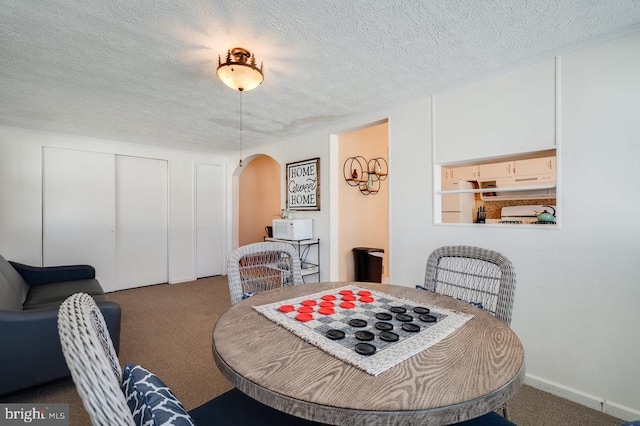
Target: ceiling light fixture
[240, 73]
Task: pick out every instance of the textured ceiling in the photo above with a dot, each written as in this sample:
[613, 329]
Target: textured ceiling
[144, 70]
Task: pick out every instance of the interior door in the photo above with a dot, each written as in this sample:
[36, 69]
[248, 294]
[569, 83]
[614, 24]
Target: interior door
[210, 223]
[142, 221]
[78, 211]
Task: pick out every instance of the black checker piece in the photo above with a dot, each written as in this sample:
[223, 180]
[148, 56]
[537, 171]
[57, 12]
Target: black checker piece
[365, 349]
[398, 309]
[428, 318]
[357, 322]
[404, 318]
[383, 316]
[364, 335]
[410, 327]
[389, 336]
[334, 334]
[384, 326]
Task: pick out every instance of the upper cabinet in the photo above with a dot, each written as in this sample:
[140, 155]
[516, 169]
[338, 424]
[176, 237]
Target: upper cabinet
[496, 170]
[454, 174]
[541, 170]
[507, 114]
[536, 169]
[526, 176]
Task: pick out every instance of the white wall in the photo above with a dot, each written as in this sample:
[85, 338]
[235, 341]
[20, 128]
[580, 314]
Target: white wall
[578, 288]
[21, 194]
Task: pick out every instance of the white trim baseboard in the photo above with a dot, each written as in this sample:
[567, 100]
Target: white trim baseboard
[588, 400]
[182, 280]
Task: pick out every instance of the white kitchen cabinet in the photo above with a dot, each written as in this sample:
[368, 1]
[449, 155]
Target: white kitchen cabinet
[468, 173]
[445, 174]
[536, 167]
[524, 177]
[540, 171]
[454, 174]
[496, 170]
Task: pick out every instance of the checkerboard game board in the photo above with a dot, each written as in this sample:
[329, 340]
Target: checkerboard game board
[368, 329]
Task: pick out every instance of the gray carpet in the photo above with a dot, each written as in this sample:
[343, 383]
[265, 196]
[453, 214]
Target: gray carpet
[167, 328]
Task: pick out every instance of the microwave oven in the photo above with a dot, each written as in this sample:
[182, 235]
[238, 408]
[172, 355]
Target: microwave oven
[293, 229]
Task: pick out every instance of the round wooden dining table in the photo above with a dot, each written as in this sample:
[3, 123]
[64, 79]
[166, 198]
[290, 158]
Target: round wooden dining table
[472, 371]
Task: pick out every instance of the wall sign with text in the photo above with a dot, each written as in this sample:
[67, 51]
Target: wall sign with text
[303, 185]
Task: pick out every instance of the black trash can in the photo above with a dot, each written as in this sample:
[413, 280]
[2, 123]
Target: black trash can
[368, 264]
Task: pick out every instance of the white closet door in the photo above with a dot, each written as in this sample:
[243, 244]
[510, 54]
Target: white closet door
[142, 221]
[209, 220]
[78, 211]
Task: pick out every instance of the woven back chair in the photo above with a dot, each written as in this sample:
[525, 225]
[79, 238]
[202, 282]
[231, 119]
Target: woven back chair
[92, 360]
[96, 372]
[262, 266]
[476, 275]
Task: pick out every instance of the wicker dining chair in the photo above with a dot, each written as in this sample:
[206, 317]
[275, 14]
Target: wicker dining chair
[482, 277]
[476, 275]
[262, 266]
[114, 397]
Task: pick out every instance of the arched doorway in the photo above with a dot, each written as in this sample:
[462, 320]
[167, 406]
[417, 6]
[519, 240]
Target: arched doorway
[258, 197]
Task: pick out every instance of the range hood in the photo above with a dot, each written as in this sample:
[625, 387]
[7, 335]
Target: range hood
[532, 188]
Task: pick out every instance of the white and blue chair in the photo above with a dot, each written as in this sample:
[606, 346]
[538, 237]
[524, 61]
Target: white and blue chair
[136, 396]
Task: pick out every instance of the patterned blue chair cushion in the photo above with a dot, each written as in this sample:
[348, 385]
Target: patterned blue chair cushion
[247, 294]
[151, 402]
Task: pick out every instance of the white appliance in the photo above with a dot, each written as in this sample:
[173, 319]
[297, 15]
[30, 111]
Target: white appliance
[458, 208]
[524, 215]
[293, 229]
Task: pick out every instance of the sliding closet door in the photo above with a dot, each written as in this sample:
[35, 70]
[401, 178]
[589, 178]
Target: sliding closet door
[141, 221]
[210, 222]
[78, 211]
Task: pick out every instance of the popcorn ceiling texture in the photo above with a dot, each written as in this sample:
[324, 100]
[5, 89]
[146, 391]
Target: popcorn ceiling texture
[144, 71]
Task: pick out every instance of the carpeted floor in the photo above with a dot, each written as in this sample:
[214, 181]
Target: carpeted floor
[167, 328]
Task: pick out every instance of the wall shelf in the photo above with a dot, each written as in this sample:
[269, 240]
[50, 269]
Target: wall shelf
[507, 189]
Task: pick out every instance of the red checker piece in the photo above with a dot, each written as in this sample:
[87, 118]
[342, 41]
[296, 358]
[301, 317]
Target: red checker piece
[348, 298]
[364, 293]
[326, 311]
[304, 317]
[287, 308]
[305, 309]
[309, 302]
[366, 299]
[345, 292]
[326, 304]
[347, 305]
[328, 297]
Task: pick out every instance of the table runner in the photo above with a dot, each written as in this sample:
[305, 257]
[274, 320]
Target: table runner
[388, 354]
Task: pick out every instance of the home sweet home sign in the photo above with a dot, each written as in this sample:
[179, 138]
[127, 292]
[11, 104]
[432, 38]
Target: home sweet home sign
[303, 185]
